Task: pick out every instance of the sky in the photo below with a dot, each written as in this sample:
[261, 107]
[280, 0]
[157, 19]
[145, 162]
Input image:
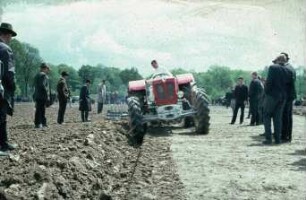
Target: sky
[192, 35]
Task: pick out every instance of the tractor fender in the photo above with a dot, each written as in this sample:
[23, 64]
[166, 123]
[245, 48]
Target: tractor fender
[185, 78]
[135, 86]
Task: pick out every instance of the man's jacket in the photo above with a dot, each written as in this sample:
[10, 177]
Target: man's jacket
[290, 84]
[41, 87]
[101, 93]
[241, 93]
[7, 75]
[255, 90]
[276, 81]
[62, 90]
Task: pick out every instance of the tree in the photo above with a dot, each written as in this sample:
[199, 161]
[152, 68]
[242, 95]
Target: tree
[87, 72]
[27, 63]
[131, 74]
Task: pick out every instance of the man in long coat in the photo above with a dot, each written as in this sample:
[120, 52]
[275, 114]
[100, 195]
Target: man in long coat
[7, 82]
[85, 101]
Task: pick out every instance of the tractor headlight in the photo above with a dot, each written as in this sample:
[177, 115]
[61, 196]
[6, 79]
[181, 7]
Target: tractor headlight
[180, 94]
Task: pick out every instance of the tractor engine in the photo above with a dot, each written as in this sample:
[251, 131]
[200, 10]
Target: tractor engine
[165, 91]
[166, 98]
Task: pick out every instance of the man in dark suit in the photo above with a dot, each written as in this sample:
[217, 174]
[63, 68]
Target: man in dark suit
[41, 95]
[255, 93]
[7, 82]
[85, 101]
[63, 95]
[241, 97]
[291, 96]
[275, 96]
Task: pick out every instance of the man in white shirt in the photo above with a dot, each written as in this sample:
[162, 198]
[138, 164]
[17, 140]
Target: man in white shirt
[101, 96]
[159, 71]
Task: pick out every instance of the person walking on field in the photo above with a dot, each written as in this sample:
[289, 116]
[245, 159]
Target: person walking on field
[291, 96]
[255, 93]
[275, 99]
[63, 96]
[241, 97]
[7, 85]
[85, 101]
[41, 95]
[101, 96]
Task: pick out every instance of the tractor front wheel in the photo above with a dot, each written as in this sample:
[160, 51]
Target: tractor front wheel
[137, 126]
[201, 119]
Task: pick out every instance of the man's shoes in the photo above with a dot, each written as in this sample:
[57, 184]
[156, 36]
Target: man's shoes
[11, 146]
[252, 124]
[286, 141]
[263, 134]
[277, 142]
[4, 153]
[232, 123]
[241, 122]
[45, 126]
[38, 126]
[267, 142]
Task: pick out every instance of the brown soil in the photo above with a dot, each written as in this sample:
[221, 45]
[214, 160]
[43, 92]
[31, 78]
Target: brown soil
[84, 161]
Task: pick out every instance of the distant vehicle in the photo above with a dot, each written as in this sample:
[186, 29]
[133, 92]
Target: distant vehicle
[75, 99]
[166, 99]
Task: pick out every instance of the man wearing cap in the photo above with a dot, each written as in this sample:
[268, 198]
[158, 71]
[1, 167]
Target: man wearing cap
[63, 95]
[7, 82]
[41, 95]
[275, 96]
[241, 97]
[291, 96]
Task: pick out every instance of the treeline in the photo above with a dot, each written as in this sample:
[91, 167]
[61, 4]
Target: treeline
[219, 79]
[216, 80]
[28, 61]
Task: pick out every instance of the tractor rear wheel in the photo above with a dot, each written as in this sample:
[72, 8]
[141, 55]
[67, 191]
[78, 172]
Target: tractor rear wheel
[137, 127]
[201, 119]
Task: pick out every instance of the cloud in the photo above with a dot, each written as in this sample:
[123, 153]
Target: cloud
[189, 34]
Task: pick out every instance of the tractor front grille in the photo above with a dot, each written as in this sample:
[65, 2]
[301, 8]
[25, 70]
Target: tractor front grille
[165, 91]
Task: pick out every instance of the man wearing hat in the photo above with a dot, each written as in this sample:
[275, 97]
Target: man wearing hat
[7, 78]
[63, 95]
[41, 95]
[275, 96]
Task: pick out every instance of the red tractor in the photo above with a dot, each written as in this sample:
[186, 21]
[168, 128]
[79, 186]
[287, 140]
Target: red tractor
[166, 99]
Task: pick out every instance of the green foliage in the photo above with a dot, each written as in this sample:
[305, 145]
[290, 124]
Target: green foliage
[300, 82]
[127, 75]
[216, 80]
[74, 80]
[27, 64]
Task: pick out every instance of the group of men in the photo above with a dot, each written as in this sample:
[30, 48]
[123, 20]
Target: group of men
[270, 99]
[42, 91]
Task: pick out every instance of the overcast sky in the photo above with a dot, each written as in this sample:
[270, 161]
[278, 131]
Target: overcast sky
[187, 34]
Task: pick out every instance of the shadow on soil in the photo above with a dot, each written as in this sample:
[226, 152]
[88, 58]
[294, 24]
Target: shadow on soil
[167, 131]
[301, 164]
[299, 153]
[23, 126]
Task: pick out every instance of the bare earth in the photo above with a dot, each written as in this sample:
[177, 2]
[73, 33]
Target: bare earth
[231, 163]
[93, 161]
